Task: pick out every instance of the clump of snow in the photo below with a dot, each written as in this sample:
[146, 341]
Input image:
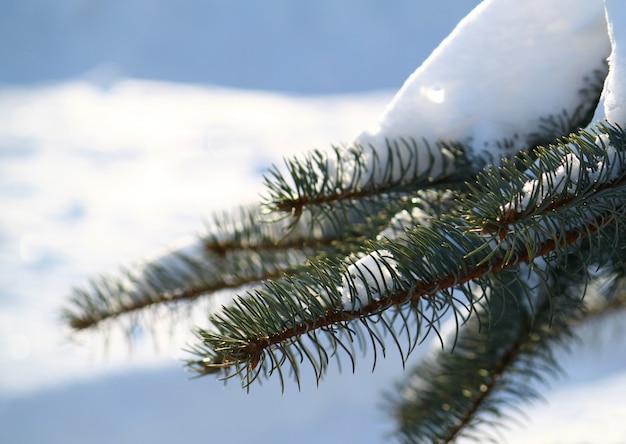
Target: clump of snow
[612, 107]
[370, 278]
[402, 222]
[495, 72]
[613, 103]
[499, 72]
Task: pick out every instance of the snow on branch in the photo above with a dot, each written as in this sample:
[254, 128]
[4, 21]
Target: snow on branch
[503, 68]
[428, 261]
[482, 96]
[360, 179]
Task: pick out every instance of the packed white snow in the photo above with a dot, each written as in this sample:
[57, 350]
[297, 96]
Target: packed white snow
[505, 66]
[368, 279]
[612, 107]
[613, 102]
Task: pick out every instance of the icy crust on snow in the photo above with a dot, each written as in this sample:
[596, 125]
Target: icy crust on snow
[373, 276]
[505, 66]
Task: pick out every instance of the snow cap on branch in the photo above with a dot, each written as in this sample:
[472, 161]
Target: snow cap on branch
[613, 103]
[497, 74]
[569, 176]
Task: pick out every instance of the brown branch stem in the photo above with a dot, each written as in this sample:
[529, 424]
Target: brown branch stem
[297, 204]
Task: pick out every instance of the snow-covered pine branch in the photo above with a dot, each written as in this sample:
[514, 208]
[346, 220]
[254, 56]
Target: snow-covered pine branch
[427, 212]
[427, 262]
[357, 181]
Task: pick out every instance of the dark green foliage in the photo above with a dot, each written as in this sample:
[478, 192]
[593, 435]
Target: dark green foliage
[287, 322]
[503, 252]
[503, 351]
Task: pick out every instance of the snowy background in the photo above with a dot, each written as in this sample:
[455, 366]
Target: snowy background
[122, 126]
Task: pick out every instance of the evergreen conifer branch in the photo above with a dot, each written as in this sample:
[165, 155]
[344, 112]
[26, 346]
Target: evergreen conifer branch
[560, 175]
[466, 392]
[239, 249]
[361, 179]
[107, 298]
[267, 326]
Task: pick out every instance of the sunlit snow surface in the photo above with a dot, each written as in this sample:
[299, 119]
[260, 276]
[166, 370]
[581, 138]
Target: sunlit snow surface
[91, 179]
[613, 99]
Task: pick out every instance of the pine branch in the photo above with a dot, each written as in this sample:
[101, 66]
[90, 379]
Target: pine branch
[242, 348]
[268, 326]
[361, 180]
[465, 392]
[241, 248]
[457, 394]
[237, 250]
